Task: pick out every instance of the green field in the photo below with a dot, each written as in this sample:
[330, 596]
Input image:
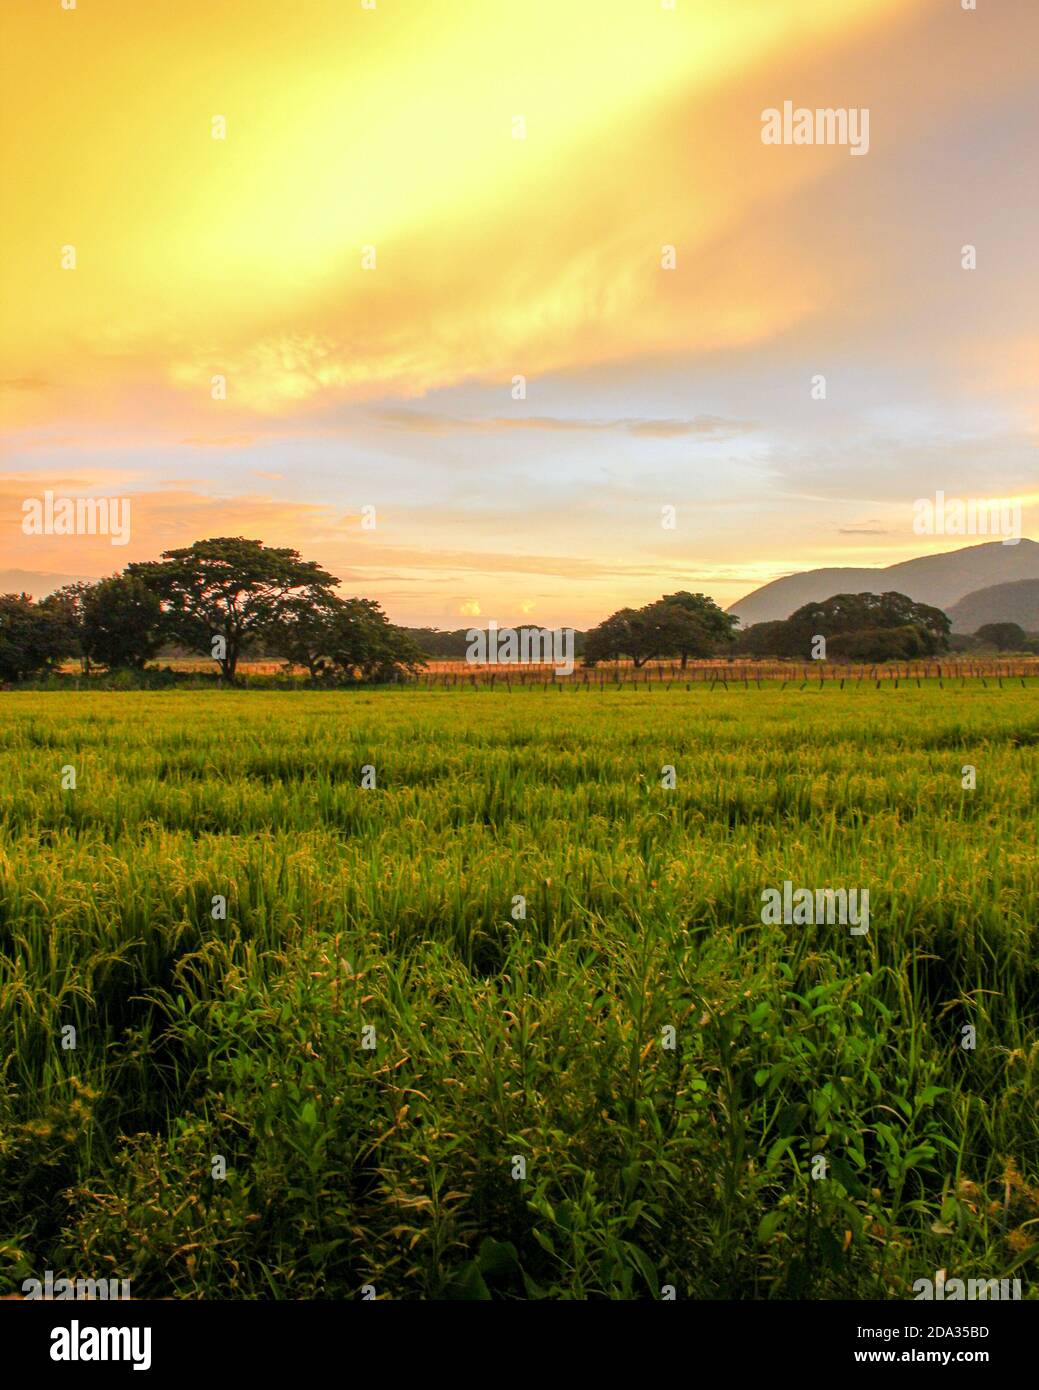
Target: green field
[544, 1038]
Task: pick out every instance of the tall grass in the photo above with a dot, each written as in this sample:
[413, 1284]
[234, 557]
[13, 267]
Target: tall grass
[541, 1038]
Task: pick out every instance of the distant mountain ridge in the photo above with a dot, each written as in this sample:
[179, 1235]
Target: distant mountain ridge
[36, 583]
[1016, 602]
[940, 580]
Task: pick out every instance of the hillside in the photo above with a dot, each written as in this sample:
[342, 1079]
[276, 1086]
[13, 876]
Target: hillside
[36, 583]
[1017, 602]
[941, 580]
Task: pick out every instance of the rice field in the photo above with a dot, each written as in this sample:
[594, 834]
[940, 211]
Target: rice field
[445, 994]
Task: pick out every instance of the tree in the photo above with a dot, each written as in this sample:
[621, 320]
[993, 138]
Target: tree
[692, 625]
[33, 637]
[365, 645]
[681, 624]
[301, 633]
[764, 639]
[65, 606]
[854, 626]
[898, 610]
[880, 644]
[1005, 637]
[348, 638]
[856, 613]
[121, 622]
[217, 594]
[628, 632]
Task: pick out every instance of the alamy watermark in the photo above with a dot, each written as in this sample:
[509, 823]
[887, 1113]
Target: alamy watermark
[971, 516]
[801, 125]
[950, 1290]
[77, 516]
[60, 1288]
[816, 907]
[500, 646]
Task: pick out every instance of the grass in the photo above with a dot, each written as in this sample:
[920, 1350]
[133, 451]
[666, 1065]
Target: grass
[370, 1042]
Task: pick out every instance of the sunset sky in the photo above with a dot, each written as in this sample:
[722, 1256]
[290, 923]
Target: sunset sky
[495, 257]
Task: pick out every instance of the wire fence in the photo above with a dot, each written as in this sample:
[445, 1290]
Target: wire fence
[660, 675]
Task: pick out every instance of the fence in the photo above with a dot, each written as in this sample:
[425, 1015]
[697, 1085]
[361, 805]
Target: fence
[448, 675]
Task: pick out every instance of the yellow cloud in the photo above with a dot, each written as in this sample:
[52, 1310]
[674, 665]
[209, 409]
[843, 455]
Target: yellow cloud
[391, 129]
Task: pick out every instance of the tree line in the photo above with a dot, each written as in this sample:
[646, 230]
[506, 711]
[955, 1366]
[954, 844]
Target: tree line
[855, 627]
[219, 598]
[227, 597]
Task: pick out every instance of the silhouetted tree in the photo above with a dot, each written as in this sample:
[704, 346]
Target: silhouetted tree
[217, 594]
[33, 637]
[65, 605]
[121, 622]
[848, 613]
[342, 638]
[1005, 637]
[681, 624]
[880, 644]
[365, 645]
[626, 633]
[763, 639]
[692, 625]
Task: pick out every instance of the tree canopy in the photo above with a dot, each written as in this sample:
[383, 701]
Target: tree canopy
[1005, 637]
[218, 593]
[857, 627]
[227, 596]
[34, 637]
[218, 597]
[680, 625]
[338, 638]
[121, 622]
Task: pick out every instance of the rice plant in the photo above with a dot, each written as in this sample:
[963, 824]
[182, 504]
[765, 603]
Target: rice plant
[501, 1017]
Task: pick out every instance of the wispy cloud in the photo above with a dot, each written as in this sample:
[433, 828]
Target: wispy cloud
[220, 441]
[425, 422]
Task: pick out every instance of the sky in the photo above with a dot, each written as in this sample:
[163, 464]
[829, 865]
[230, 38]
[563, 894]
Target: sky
[424, 271]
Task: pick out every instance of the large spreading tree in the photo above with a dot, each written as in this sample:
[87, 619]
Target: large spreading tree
[857, 627]
[218, 594]
[692, 625]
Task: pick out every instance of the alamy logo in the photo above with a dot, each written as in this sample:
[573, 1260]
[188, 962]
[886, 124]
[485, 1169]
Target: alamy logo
[532, 645]
[819, 906]
[824, 126]
[75, 1343]
[77, 516]
[951, 1290]
[971, 516]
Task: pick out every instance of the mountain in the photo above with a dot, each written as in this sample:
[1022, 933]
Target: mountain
[36, 583]
[1017, 602]
[941, 580]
